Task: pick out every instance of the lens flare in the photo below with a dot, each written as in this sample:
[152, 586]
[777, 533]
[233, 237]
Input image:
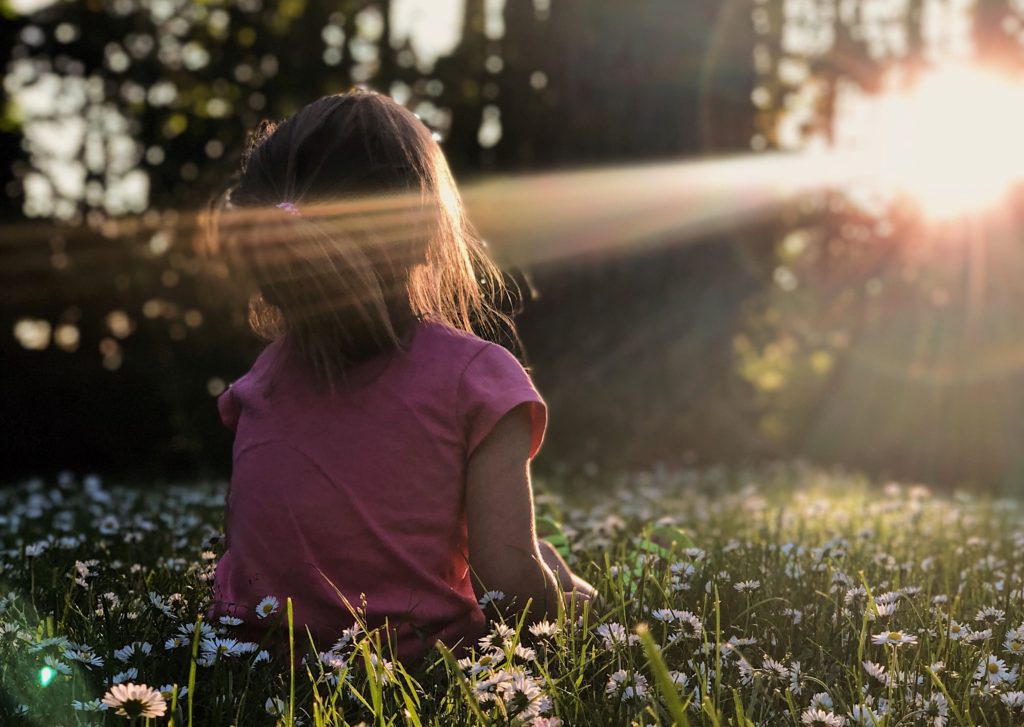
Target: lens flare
[952, 142]
[46, 675]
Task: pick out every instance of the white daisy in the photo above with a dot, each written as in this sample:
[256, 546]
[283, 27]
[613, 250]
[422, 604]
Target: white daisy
[85, 656]
[347, 636]
[274, 706]
[688, 625]
[218, 647]
[679, 679]
[820, 718]
[990, 616]
[524, 652]
[135, 700]
[615, 636]
[822, 701]
[108, 525]
[57, 665]
[876, 671]
[974, 636]
[992, 671]
[94, 705]
[499, 638]
[125, 653]
[936, 710]
[893, 638]
[628, 685]
[186, 630]
[746, 670]
[882, 610]
[60, 642]
[167, 691]
[384, 669]
[491, 597]
[775, 668]
[156, 600]
[36, 549]
[795, 685]
[125, 676]
[523, 696]
[267, 607]
[863, 716]
[484, 663]
[1014, 646]
[1013, 700]
[543, 629]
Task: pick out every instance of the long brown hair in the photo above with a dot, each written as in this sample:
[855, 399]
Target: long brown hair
[347, 226]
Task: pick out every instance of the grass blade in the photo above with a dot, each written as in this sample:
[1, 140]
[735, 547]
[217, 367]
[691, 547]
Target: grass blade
[665, 684]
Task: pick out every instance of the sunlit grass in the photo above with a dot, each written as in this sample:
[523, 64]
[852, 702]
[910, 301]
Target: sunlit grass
[772, 618]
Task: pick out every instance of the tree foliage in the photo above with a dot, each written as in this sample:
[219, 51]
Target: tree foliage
[826, 331]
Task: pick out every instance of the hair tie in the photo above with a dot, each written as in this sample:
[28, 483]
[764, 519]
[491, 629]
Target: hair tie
[289, 208]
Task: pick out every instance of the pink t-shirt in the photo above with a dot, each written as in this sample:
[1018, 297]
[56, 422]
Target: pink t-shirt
[362, 493]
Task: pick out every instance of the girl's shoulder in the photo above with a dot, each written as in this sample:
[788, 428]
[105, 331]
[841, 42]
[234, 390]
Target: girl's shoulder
[488, 382]
[436, 336]
[467, 355]
[230, 401]
[460, 350]
[264, 364]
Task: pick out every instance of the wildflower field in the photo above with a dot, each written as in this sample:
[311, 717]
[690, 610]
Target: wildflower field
[807, 599]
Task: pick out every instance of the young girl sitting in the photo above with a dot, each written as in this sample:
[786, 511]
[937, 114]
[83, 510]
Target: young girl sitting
[382, 449]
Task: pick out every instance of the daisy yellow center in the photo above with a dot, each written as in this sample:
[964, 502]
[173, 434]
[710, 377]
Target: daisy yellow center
[133, 707]
[993, 668]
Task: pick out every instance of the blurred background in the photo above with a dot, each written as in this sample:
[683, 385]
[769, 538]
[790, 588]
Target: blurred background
[861, 308]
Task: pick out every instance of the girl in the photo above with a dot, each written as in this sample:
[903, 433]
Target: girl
[381, 454]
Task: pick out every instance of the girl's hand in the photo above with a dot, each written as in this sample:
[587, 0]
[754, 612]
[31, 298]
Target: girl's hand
[576, 599]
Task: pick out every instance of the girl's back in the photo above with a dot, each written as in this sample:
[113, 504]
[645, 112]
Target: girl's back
[381, 447]
[359, 494]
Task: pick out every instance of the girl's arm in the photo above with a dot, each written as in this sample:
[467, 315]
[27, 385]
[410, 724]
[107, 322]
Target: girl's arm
[567, 580]
[504, 554]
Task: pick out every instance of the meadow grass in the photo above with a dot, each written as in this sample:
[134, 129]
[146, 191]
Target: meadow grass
[809, 598]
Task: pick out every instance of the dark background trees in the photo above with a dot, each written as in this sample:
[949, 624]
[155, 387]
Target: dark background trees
[681, 353]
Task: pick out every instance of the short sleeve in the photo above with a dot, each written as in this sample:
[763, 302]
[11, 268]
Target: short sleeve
[493, 384]
[228, 409]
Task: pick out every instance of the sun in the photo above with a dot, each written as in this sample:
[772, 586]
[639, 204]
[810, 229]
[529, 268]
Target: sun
[954, 141]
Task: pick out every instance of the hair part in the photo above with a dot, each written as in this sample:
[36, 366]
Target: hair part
[378, 238]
